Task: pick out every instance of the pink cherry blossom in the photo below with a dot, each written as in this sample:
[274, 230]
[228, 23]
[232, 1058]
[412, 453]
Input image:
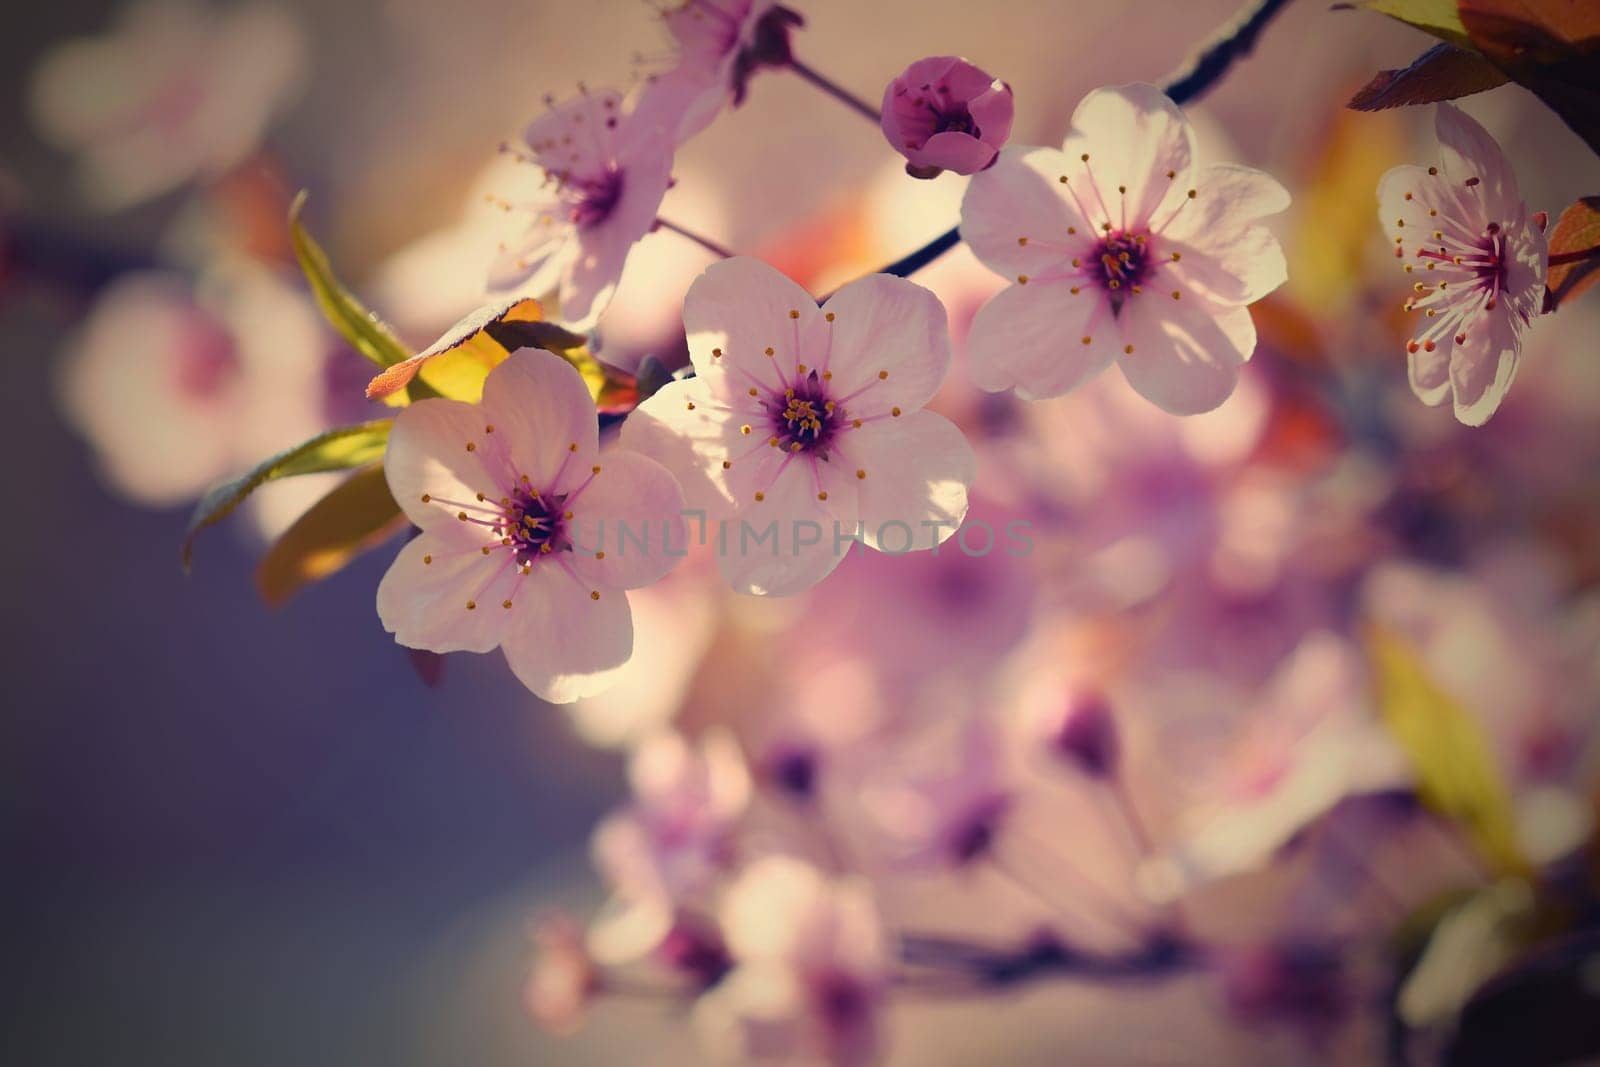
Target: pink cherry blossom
[809, 421]
[718, 45]
[176, 92]
[1123, 249]
[811, 962]
[1477, 258]
[515, 501]
[943, 113]
[179, 384]
[599, 171]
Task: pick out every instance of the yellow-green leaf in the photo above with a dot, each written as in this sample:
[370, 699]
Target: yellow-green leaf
[360, 514]
[336, 450]
[1456, 771]
[1438, 17]
[365, 331]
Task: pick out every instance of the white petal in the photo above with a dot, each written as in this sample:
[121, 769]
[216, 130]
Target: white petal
[424, 604]
[888, 345]
[1467, 152]
[786, 542]
[1030, 338]
[740, 307]
[1185, 354]
[1134, 136]
[628, 522]
[691, 433]
[562, 643]
[1224, 255]
[918, 470]
[539, 407]
[428, 456]
[1483, 367]
[1021, 196]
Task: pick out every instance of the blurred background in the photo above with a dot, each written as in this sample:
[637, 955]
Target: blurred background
[242, 835]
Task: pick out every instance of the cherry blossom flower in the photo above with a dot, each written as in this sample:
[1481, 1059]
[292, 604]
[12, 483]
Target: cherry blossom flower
[1479, 259]
[943, 113]
[179, 384]
[600, 171]
[1123, 249]
[719, 44]
[514, 499]
[176, 92]
[804, 425]
[811, 962]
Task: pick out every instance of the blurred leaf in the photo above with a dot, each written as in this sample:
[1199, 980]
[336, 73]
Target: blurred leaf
[358, 515]
[1443, 72]
[1575, 250]
[1438, 17]
[1470, 943]
[1456, 772]
[1551, 47]
[364, 330]
[336, 450]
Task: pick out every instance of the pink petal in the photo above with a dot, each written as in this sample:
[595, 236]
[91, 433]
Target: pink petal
[540, 407]
[1429, 372]
[425, 604]
[1021, 196]
[1030, 338]
[783, 544]
[888, 345]
[741, 307]
[1224, 256]
[562, 643]
[427, 455]
[532, 264]
[1186, 355]
[632, 513]
[993, 111]
[1134, 136]
[1466, 152]
[918, 470]
[571, 135]
[690, 433]
[1483, 367]
[961, 153]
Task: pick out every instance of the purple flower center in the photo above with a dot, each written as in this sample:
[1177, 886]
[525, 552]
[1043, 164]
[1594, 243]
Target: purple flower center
[535, 525]
[803, 418]
[1122, 264]
[592, 200]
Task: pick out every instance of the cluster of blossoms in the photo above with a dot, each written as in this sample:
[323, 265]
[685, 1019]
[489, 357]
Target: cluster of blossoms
[883, 587]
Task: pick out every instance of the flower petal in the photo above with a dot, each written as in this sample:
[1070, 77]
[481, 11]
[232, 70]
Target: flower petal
[887, 345]
[1467, 152]
[423, 597]
[786, 542]
[1223, 255]
[1482, 368]
[917, 472]
[1429, 372]
[1030, 337]
[539, 407]
[691, 434]
[741, 307]
[427, 456]
[1134, 136]
[563, 643]
[954, 151]
[1185, 354]
[630, 519]
[1021, 197]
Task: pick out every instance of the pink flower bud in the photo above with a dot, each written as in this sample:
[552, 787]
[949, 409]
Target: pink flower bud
[943, 113]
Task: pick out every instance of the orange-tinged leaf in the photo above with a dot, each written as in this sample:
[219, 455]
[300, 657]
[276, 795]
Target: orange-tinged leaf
[358, 515]
[1443, 72]
[456, 364]
[1574, 251]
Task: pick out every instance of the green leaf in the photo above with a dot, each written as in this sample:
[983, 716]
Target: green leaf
[1438, 17]
[360, 514]
[1456, 771]
[364, 330]
[1575, 251]
[1443, 72]
[336, 450]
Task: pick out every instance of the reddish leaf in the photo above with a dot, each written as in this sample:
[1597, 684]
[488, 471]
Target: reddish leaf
[1575, 251]
[1443, 72]
[1550, 46]
[358, 515]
